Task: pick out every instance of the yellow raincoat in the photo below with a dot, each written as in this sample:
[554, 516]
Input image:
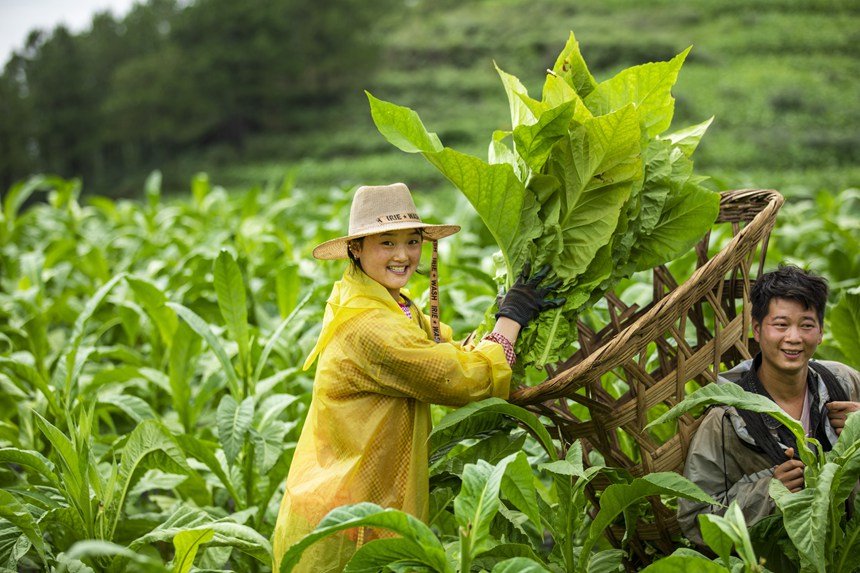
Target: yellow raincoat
[365, 437]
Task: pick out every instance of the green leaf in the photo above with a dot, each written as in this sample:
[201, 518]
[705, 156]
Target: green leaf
[523, 108]
[136, 408]
[478, 502]
[491, 446]
[724, 533]
[806, 515]
[149, 446]
[204, 452]
[685, 564]
[268, 444]
[73, 358]
[607, 561]
[845, 326]
[154, 300]
[32, 460]
[183, 517]
[13, 546]
[687, 139]
[243, 538]
[287, 285]
[846, 455]
[72, 480]
[402, 127]
[18, 372]
[494, 190]
[519, 565]
[371, 515]
[731, 394]
[505, 552]
[395, 552]
[234, 421]
[273, 339]
[477, 416]
[847, 558]
[598, 164]
[519, 488]
[15, 513]
[230, 289]
[203, 329]
[98, 548]
[181, 371]
[187, 544]
[679, 227]
[227, 533]
[152, 190]
[14, 198]
[648, 87]
[570, 66]
[619, 497]
[534, 142]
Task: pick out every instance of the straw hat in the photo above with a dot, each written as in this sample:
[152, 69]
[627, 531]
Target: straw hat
[376, 209]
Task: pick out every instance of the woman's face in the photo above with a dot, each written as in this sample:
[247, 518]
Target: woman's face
[390, 258]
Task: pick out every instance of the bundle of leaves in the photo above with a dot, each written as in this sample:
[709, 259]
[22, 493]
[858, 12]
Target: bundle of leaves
[586, 181]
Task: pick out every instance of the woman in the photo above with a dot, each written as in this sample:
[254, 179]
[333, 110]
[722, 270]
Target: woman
[382, 362]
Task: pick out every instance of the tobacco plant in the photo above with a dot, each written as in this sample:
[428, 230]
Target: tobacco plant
[586, 181]
[501, 511]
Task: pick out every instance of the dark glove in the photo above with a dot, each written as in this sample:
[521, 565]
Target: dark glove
[524, 300]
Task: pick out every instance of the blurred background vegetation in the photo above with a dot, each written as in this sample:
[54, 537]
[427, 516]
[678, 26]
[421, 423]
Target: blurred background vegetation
[253, 91]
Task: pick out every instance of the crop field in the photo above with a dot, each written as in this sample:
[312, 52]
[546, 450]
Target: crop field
[149, 364]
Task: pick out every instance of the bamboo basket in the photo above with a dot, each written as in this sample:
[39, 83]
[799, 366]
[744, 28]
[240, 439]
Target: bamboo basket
[688, 333]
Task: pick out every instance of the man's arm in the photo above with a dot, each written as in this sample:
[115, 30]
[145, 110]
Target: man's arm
[729, 471]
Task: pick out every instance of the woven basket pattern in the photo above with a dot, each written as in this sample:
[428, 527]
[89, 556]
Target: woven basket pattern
[687, 334]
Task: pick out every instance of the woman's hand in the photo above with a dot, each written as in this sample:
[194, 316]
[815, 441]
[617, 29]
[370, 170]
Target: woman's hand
[527, 298]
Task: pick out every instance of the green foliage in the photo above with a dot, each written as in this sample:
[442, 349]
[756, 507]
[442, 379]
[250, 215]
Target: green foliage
[135, 411]
[135, 435]
[586, 181]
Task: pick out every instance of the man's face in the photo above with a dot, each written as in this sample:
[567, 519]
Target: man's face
[788, 337]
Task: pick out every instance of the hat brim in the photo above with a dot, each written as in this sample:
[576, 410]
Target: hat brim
[337, 248]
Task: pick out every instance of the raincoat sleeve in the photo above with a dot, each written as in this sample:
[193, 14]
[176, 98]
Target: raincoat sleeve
[395, 357]
[728, 471]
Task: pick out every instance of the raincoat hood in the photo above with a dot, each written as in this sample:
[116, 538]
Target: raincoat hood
[353, 294]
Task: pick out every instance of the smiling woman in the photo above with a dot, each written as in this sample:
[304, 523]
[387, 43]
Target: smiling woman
[382, 362]
[389, 258]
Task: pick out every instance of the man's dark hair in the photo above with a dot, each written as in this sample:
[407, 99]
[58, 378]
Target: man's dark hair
[789, 282]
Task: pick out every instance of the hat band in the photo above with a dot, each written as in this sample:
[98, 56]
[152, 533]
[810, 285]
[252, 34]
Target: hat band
[398, 218]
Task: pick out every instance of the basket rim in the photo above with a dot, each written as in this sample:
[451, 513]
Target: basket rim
[765, 203]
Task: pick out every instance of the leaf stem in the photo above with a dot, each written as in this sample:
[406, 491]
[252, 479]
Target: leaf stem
[544, 357]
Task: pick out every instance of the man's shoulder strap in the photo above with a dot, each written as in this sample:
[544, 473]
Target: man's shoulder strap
[834, 389]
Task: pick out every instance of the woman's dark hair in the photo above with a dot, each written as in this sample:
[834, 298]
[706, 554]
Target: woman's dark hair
[789, 282]
[356, 264]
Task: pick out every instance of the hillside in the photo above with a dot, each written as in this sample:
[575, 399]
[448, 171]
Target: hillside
[780, 78]
[250, 91]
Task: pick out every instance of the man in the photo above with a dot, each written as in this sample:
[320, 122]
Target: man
[734, 454]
